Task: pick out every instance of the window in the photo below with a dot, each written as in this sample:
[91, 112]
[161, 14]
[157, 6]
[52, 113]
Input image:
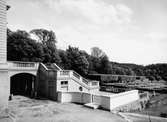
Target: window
[64, 82]
[80, 88]
[94, 83]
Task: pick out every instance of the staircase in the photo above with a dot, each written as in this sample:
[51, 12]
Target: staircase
[67, 80]
[52, 66]
[75, 77]
[92, 105]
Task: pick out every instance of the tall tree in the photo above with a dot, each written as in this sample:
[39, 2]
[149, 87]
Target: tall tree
[105, 65]
[97, 52]
[77, 61]
[64, 59]
[48, 39]
[45, 36]
[20, 47]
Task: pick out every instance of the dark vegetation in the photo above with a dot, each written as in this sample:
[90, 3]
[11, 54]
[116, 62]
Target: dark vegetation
[21, 47]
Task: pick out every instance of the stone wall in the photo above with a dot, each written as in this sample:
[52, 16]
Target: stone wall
[108, 102]
[46, 84]
[123, 98]
[4, 90]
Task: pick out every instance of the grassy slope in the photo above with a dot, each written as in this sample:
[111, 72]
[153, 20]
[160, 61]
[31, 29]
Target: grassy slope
[157, 105]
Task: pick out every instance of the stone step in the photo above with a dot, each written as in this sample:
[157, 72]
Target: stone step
[92, 105]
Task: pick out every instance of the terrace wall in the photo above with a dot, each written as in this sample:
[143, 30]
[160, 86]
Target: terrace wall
[123, 98]
[46, 84]
[109, 102]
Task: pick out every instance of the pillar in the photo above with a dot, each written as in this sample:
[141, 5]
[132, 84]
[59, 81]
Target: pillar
[4, 81]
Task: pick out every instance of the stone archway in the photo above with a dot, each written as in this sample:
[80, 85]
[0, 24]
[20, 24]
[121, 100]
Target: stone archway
[22, 84]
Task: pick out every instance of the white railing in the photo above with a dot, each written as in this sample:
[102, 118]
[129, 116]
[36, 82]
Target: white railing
[22, 65]
[85, 81]
[94, 83]
[63, 73]
[76, 76]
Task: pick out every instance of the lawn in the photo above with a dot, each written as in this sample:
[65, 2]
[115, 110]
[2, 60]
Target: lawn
[156, 106]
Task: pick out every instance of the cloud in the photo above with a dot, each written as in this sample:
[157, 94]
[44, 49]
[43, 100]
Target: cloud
[124, 13]
[157, 36]
[96, 11]
[126, 32]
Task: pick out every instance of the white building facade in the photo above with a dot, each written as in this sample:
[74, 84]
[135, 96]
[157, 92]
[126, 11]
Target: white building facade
[4, 82]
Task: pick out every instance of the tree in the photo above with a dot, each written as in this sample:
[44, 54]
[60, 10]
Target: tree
[45, 36]
[82, 64]
[105, 65]
[20, 47]
[95, 65]
[48, 39]
[9, 32]
[23, 33]
[97, 52]
[77, 61]
[64, 59]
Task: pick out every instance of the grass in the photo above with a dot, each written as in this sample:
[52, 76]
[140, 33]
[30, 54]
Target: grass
[157, 106]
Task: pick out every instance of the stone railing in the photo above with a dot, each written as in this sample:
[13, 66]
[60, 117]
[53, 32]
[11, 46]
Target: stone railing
[22, 65]
[85, 81]
[64, 73]
[94, 83]
[76, 76]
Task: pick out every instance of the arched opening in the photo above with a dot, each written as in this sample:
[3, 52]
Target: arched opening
[22, 84]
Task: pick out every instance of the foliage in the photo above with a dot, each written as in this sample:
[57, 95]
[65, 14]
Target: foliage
[97, 52]
[64, 59]
[77, 61]
[21, 47]
[105, 65]
[44, 35]
[48, 39]
[158, 71]
[163, 115]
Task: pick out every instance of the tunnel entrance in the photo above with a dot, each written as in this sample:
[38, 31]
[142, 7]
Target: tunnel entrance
[22, 84]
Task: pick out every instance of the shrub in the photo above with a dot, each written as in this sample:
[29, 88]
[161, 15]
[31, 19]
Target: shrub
[163, 114]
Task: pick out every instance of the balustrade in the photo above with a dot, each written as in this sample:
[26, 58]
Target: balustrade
[73, 74]
[17, 64]
[85, 80]
[94, 83]
[76, 75]
[23, 64]
[64, 73]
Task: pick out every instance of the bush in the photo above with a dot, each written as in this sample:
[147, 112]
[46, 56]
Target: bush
[151, 78]
[163, 115]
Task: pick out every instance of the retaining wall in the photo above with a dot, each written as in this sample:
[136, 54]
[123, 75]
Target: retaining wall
[123, 98]
[109, 102]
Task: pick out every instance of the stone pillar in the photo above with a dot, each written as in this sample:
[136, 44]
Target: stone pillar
[4, 81]
[3, 31]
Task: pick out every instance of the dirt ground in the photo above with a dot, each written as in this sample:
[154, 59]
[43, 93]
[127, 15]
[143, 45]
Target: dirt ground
[31, 110]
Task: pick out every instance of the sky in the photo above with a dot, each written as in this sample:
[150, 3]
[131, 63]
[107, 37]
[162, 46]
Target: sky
[128, 31]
